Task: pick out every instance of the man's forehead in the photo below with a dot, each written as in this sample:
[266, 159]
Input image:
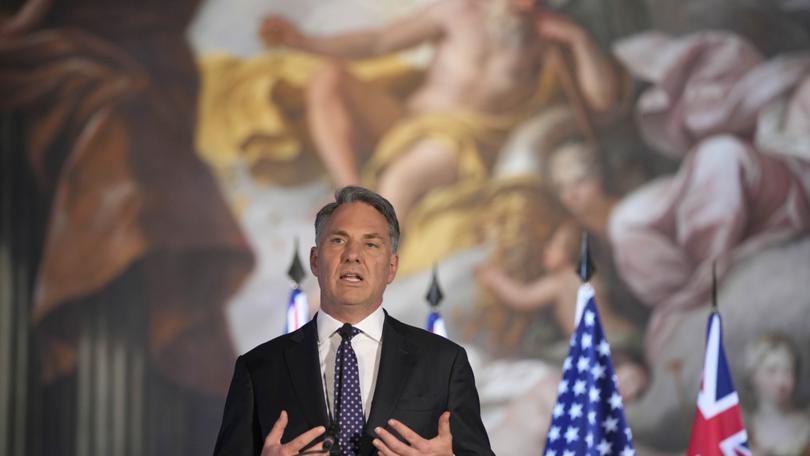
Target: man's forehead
[357, 219]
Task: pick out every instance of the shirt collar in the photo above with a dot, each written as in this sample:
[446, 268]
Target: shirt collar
[371, 326]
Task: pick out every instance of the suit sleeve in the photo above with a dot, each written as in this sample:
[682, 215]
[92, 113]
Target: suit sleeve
[469, 435]
[239, 434]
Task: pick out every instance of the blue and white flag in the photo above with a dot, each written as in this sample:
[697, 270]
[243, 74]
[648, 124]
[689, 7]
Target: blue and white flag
[297, 311]
[435, 324]
[588, 417]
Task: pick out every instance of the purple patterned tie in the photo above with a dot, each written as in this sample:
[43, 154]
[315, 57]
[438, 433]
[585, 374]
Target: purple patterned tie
[348, 402]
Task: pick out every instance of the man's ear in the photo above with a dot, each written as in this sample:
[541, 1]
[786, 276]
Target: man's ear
[394, 266]
[313, 260]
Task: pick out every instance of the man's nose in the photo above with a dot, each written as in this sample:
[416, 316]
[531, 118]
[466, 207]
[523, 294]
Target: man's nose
[351, 252]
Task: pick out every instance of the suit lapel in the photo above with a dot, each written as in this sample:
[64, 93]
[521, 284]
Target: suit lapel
[304, 368]
[395, 367]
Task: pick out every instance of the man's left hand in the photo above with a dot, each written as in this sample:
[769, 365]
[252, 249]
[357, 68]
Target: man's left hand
[441, 445]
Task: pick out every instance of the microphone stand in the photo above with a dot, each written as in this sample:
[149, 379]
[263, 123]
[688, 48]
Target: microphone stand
[329, 438]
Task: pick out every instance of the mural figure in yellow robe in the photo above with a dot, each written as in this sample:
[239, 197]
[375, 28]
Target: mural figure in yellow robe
[485, 76]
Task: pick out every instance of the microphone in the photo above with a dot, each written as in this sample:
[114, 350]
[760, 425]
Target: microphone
[329, 438]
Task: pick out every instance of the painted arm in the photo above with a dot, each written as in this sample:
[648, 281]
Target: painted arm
[593, 70]
[520, 296]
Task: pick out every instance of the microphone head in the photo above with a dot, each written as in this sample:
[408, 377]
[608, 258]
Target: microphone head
[330, 445]
[330, 439]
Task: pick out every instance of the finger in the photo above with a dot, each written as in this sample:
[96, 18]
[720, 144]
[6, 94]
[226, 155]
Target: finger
[412, 437]
[299, 442]
[274, 436]
[444, 425]
[393, 443]
[382, 448]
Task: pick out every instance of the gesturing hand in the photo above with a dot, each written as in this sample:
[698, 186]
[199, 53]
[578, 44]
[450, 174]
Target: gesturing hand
[273, 446]
[441, 445]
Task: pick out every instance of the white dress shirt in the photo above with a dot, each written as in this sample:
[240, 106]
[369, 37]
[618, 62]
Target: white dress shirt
[367, 346]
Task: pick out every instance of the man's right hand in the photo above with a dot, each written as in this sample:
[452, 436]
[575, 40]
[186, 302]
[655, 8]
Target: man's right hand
[279, 31]
[273, 446]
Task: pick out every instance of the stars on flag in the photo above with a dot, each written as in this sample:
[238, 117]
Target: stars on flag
[604, 348]
[579, 387]
[598, 371]
[587, 339]
[603, 447]
[590, 318]
[575, 411]
[615, 400]
[593, 394]
[610, 425]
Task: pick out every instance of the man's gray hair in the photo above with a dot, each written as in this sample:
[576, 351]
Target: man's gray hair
[353, 194]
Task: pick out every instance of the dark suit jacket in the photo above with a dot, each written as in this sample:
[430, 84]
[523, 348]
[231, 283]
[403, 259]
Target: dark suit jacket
[420, 375]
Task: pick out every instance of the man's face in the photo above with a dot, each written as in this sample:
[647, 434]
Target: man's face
[353, 261]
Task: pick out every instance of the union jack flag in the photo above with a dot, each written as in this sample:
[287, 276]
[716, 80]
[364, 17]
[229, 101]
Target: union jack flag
[297, 310]
[718, 426]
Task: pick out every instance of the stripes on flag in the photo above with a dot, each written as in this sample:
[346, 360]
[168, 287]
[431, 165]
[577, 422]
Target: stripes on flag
[297, 310]
[588, 417]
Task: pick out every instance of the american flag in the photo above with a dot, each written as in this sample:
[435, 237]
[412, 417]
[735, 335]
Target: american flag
[297, 310]
[718, 426]
[435, 324]
[588, 417]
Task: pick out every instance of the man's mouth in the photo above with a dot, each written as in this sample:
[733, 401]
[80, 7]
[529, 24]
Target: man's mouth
[351, 277]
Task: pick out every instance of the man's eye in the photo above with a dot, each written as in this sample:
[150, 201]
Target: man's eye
[336, 240]
[371, 244]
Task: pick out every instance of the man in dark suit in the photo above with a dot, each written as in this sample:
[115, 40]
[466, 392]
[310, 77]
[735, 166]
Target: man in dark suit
[400, 390]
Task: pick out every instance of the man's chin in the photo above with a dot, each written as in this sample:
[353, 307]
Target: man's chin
[352, 300]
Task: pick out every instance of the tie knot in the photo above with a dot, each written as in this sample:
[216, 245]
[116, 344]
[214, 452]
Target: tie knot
[348, 331]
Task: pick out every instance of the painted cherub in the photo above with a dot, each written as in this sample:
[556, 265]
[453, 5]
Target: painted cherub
[776, 426]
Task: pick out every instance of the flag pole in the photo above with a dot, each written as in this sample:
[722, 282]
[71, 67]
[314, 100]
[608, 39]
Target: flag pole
[434, 296]
[585, 267]
[296, 271]
[714, 286]
[297, 306]
[585, 270]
